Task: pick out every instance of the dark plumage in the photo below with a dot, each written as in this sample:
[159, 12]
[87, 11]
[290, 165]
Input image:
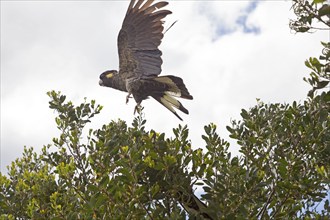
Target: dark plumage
[140, 59]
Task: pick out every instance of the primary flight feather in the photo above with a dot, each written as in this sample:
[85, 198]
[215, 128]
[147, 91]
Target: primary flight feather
[140, 59]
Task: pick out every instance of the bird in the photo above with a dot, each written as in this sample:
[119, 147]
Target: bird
[140, 59]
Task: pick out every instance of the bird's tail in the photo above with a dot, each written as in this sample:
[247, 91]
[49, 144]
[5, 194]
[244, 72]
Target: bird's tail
[171, 87]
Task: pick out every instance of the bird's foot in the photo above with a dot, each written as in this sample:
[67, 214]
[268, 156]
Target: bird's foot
[137, 108]
[128, 97]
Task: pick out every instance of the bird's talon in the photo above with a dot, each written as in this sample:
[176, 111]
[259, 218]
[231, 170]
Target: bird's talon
[128, 97]
[137, 109]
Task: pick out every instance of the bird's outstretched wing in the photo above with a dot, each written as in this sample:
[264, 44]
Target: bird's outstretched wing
[139, 38]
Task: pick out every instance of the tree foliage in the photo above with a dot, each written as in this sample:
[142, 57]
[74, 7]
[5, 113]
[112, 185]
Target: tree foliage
[126, 172]
[122, 171]
[311, 15]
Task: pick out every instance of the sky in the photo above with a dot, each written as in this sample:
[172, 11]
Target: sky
[229, 53]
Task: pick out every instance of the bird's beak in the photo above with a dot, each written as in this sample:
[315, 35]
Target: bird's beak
[101, 82]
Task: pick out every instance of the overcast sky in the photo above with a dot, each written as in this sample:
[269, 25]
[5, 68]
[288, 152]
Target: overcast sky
[228, 52]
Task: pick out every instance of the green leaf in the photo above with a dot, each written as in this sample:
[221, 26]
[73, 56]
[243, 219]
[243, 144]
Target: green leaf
[155, 190]
[230, 129]
[318, 1]
[104, 181]
[308, 64]
[324, 115]
[234, 161]
[244, 114]
[324, 10]
[316, 63]
[322, 84]
[100, 200]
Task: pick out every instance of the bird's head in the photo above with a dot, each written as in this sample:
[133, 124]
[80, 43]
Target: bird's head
[106, 78]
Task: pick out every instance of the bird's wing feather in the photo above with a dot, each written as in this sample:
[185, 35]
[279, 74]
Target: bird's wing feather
[139, 38]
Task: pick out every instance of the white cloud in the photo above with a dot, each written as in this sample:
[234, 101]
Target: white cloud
[66, 45]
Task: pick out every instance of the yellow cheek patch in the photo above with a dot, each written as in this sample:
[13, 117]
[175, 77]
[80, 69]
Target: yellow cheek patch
[109, 75]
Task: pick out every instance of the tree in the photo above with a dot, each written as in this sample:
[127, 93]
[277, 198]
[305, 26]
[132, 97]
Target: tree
[126, 172]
